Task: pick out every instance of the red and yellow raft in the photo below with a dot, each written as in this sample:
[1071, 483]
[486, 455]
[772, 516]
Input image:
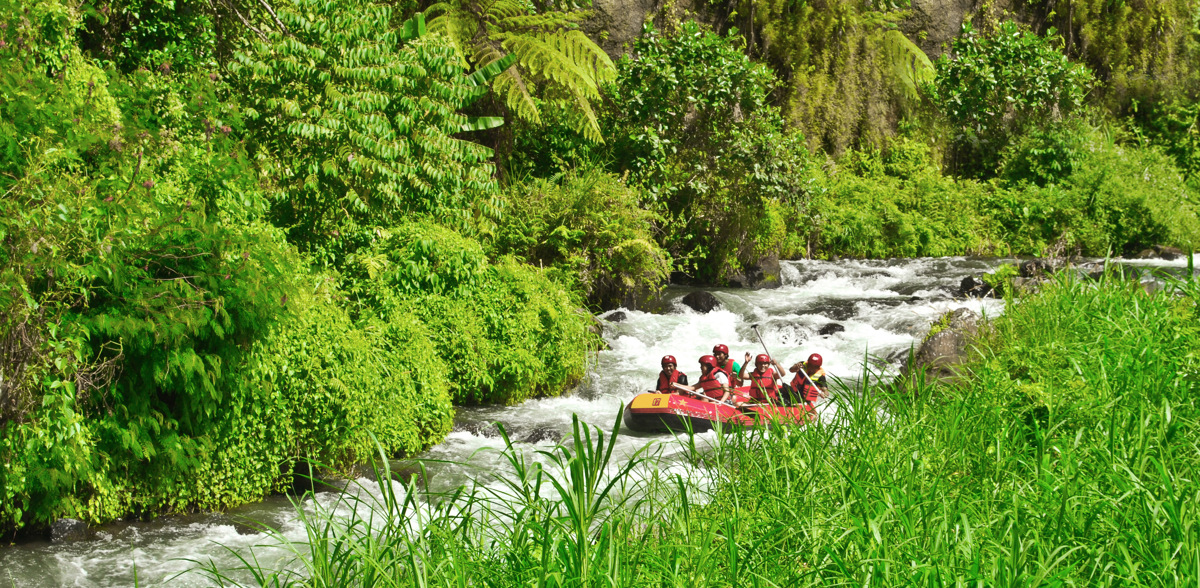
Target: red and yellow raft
[653, 412]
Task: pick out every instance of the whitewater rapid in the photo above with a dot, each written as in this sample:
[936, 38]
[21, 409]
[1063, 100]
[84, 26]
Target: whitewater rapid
[882, 307]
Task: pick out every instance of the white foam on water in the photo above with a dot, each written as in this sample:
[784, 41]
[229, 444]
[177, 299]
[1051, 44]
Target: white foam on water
[883, 307]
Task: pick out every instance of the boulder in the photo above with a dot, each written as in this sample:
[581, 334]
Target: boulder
[944, 350]
[1169, 253]
[1090, 270]
[616, 317]
[764, 275]
[973, 287]
[68, 531]
[831, 328]
[701, 302]
[1037, 268]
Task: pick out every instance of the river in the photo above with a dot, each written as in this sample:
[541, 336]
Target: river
[881, 307]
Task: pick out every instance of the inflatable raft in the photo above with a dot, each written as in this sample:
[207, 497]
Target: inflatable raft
[655, 412]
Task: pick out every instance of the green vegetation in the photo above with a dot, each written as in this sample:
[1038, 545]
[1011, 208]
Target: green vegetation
[236, 235]
[202, 277]
[1069, 456]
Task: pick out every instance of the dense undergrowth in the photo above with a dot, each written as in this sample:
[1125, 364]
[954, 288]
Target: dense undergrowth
[236, 235]
[1067, 455]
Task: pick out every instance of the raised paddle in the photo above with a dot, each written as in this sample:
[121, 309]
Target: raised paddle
[767, 351]
[699, 395]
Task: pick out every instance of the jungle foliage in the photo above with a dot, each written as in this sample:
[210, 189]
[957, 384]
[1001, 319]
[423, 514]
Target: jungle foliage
[182, 321]
[239, 234]
[1068, 456]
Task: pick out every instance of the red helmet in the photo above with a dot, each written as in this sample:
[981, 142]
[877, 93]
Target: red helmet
[814, 360]
[721, 348]
[669, 359]
[762, 358]
[708, 360]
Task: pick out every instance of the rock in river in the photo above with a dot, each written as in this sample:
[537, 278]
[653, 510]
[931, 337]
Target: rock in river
[831, 328]
[942, 352]
[701, 302]
[68, 531]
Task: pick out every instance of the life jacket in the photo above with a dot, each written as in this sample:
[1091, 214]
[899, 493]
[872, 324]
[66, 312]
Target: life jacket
[808, 391]
[728, 369]
[710, 386]
[664, 382]
[764, 383]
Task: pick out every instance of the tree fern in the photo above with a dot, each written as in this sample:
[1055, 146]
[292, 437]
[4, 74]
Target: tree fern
[907, 64]
[361, 116]
[554, 60]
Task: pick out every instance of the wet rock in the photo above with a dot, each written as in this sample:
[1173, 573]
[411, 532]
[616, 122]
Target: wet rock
[616, 317]
[69, 531]
[837, 309]
[764, 275]
[831, 329]
[701, 302]
[246, 528]
[542, 434]
[973, 287]
[942, 353]
[1037, 268]
[1163, 252]
[1169, 253]
[481, 428]
[1091, 271]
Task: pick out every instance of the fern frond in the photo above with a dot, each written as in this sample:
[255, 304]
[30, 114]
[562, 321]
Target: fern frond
[511, 87]
[907, 64]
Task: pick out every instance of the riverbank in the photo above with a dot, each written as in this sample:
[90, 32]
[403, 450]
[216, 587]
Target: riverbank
[1067, 456]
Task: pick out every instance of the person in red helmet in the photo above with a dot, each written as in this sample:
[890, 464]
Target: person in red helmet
[713, 382]
[669, 375]
[726, 363]
[812, 383]
[765, 382]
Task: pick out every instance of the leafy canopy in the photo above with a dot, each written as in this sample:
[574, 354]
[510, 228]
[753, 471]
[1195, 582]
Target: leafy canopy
[357, 117]
[995, 86]
[555, 61]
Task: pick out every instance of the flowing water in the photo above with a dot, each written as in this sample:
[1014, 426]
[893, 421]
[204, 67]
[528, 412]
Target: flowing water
[873, 312]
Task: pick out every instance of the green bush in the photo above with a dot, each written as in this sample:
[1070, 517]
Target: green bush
[692, 125]
[591, 229]
[517, 336]
[993, 87]
[338, 382]
[920, 213]
[1102, 196]
[503, 331]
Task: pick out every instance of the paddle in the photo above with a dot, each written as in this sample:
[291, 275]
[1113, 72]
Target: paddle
[767, 351]
[699, 395]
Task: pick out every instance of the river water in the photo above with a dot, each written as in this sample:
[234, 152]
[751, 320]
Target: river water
[873, 311]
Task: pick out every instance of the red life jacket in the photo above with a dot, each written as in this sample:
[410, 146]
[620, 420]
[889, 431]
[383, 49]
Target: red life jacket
[710, 386]
[664, 383]
[808, 391]
[728, 369]
[764, 383]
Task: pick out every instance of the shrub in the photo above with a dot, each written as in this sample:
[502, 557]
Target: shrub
[873, 214]
[503, 331]
[338, 382]
[993, 87]
[591, 229]
[693, 126]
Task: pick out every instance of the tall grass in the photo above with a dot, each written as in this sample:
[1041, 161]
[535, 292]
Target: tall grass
[1069, 457]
